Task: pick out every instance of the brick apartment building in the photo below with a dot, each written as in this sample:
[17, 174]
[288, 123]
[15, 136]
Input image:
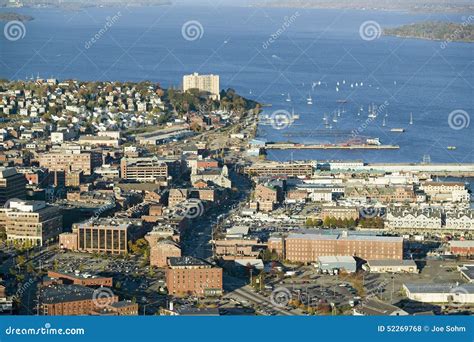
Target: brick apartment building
[78, 279]
[230, 249]
[188, 275]
[74, 300]
[342, 213]
[306, 247]
[280, 169]
[161, 251]
[71, 160]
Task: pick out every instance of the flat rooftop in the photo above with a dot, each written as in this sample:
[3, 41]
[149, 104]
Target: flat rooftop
[54, 294]
[440, 288]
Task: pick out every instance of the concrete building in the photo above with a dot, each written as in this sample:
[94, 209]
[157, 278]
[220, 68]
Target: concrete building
[308, 246]
[102, 236]
[146, 169]
[31, 221]
[205, 83]
[12, 184]
[191, 276]
[441, 293]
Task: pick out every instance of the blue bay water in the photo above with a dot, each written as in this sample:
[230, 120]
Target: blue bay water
[409, 75]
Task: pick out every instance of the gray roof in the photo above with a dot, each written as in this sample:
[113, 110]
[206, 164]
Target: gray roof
[440, 288]
[391, 263]
[187, 261]
[65, 293]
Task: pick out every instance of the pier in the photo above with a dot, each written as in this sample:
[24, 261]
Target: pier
[293, 146]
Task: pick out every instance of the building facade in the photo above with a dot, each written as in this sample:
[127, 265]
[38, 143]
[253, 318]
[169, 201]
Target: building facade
[191, 276]
[206, 83]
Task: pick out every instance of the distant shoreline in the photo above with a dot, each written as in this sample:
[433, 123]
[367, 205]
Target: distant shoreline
[435, 31]
[10, 16]
[369, 5]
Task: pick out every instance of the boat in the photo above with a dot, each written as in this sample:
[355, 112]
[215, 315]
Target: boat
[398, 130]
[373, 141]
[309, 100]
[288, 99]
[334, 119]
[451, 147]
[411, 118]
[293, 115]
[372, 112]
[384, 123]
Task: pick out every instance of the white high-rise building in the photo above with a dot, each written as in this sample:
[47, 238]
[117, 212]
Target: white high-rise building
[207, 83]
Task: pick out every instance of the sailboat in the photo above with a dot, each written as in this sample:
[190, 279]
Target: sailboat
[309, 100]
[372, 112]
[334, 119]
[411, 118]
[288, 99]
[384, 123]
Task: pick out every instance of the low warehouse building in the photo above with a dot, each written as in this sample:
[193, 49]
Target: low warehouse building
[441, 293]
[391, 266]
[336, 263]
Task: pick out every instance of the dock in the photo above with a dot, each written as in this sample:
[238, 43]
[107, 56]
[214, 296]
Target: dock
[293, 146]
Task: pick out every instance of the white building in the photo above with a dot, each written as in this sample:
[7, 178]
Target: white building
[460, 220]
[440, 293]
[207, 83]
